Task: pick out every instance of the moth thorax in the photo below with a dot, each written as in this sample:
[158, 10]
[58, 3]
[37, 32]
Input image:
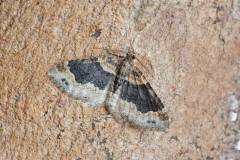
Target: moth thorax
[126, 68]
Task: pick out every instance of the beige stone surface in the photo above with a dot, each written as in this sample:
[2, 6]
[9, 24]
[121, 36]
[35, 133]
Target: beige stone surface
[193, 48]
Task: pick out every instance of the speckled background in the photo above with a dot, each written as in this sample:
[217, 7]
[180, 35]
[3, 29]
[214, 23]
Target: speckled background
[192, 48]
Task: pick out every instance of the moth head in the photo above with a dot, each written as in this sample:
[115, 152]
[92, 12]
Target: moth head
[130, 56]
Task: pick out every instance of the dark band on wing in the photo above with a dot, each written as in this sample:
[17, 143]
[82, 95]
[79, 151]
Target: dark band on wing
[142, 96]
[90, 71]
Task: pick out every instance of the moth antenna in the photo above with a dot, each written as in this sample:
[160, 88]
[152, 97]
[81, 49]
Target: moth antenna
[131, 50]
[146, 68]
[109, 51]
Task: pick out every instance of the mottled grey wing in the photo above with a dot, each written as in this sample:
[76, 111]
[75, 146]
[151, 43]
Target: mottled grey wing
[136, 102]
[87, 80]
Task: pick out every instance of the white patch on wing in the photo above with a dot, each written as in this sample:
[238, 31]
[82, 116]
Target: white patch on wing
[124, 111]
[88, 94]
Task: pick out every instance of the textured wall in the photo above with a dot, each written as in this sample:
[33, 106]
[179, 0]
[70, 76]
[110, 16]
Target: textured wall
[192, 47]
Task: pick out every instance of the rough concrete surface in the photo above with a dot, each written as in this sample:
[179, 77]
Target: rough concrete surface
[192, 48]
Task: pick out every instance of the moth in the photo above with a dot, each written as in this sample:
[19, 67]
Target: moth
[114, 82]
